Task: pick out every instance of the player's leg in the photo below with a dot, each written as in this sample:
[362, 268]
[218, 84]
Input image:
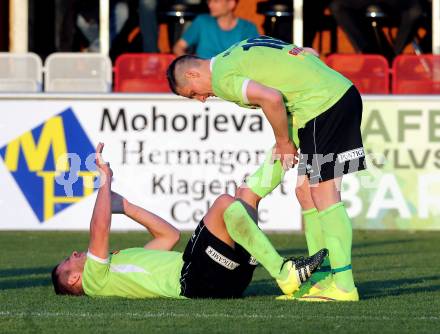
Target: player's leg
[312, 224]
[303, 194]
[313, 228]
[214, 266]
[314, 237]
[214, 219]
[241, 216]
[337, 231]
[333, 145]
[262, 182]
[325, 194]
[241, 221]
[236, 219]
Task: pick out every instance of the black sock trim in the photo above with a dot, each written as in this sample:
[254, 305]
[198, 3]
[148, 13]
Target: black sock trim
[250, 210]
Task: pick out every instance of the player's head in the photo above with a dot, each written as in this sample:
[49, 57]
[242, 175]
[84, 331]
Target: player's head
[189, 76]
[219, 8]
[67, 275]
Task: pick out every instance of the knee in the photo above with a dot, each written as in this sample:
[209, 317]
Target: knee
[223, 201]
[303, 195]
[316, 197]
[240, 192]
[247, 195]
[323, 199]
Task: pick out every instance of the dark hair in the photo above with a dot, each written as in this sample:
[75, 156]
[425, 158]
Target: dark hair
[59, 289]
[171, 75]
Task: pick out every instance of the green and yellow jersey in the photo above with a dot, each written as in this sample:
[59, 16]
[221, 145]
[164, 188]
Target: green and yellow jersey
[134, 273]
[309, 87]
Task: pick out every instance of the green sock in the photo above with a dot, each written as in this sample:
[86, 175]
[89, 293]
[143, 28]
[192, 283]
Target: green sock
[337, 230]
[267, 177]
[313, 231]
[315, 241]
[241, 223]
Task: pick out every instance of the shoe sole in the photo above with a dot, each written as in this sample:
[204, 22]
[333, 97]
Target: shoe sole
[316, 299]
[325, 299]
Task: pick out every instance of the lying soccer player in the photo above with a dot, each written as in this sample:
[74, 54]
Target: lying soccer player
[218, 262]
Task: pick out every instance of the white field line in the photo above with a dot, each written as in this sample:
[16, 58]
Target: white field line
[148, 315]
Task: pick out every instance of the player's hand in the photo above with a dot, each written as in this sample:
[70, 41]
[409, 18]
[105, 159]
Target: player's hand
[103, 167]
[287, 153]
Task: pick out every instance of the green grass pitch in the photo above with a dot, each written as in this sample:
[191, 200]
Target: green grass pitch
[397, 273]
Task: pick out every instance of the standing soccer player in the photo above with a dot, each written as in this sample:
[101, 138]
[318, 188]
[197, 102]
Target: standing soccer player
[298, 94]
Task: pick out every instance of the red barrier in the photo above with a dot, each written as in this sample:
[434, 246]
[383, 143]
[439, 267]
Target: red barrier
[369, 73]
[413, 74]
[142, 72]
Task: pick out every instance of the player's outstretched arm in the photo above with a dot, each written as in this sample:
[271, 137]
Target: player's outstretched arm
[101, 217]
[272, 103]
[165, 235]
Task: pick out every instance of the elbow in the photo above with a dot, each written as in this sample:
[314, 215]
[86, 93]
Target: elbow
[278, 98]
[167, 241]
[177, 236]
[275, 98]
[270, 99]
[174, 238]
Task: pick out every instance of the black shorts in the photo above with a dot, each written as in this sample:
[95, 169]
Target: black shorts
[213, 269]
[331, 144]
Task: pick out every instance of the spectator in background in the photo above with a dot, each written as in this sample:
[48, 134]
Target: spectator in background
[80, 23]
[350, 15]
[411, 11]
[148, 24]
[119, 14]
[214, 33]
[313, 15]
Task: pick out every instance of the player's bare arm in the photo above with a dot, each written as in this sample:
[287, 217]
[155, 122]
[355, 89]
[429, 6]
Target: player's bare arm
[271, 102]
[165, 235]
[101, 217]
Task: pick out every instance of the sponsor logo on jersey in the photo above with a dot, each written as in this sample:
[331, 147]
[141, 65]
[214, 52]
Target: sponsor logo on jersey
[47, 175]
[296, 51]
[351, 155]
[221, 259]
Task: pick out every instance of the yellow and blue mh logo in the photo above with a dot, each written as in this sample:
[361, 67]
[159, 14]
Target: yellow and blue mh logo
[40, 159]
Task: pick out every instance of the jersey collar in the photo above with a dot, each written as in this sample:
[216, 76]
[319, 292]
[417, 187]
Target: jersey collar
[211, 63]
